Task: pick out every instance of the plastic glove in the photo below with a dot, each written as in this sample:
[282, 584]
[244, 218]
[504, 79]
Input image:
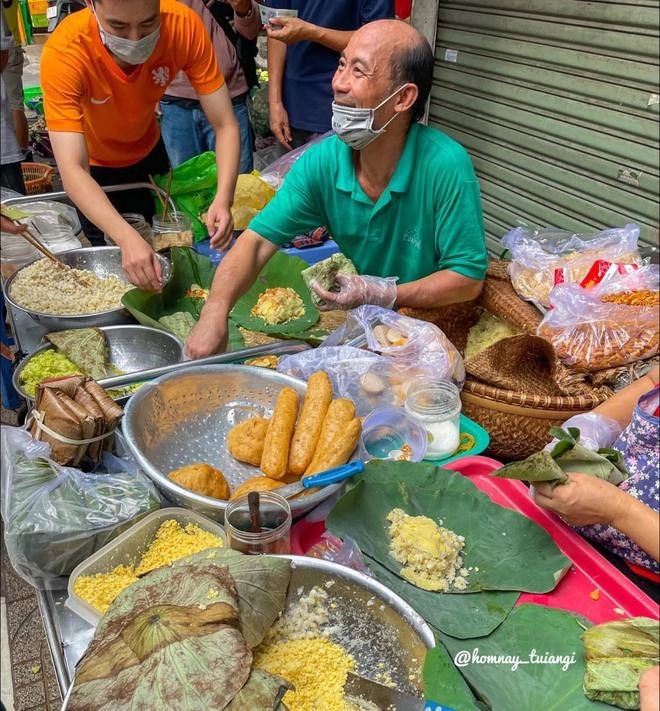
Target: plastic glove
[596, 430]
[357, 290]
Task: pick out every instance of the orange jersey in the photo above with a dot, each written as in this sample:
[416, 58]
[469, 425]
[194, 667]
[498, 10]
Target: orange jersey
[85, 91]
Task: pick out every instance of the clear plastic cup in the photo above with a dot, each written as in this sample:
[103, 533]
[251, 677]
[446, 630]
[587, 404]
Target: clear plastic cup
[394, 434]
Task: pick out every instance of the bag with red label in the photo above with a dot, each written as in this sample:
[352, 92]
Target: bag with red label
[610, 325]
[542, 259]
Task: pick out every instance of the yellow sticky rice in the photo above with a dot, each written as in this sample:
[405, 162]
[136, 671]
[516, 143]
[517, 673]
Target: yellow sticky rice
[278, 305]
[316, 667]
[486, 332]
[49, 364]
[430, 554]
[170, 543]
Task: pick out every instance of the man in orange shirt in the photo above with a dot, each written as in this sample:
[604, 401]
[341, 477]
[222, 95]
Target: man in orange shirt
[103, 72]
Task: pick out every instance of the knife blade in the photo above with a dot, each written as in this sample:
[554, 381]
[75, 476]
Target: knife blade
[383, 697]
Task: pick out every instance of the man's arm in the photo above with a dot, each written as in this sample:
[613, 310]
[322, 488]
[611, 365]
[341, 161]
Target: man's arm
[290, 30]
[234, 276]
[218, 109]
[138, 260]
[279, 118]
[247, 21]
[439, 289]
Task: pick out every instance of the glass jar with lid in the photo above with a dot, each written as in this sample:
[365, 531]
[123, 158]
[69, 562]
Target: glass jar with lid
[16, 252]
[138, 223]
[437, 403]
[174, 230]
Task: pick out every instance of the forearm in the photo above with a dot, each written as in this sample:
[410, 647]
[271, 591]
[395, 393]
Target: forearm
[439, 289]
[620, 406]
[276, 61]
[332, 39]
[93, 202]
[227, 154]
[640, 523]
[237, 272]
[248, 27]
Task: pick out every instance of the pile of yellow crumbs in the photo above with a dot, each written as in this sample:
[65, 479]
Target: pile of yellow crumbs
[317, 668]
[171, 542]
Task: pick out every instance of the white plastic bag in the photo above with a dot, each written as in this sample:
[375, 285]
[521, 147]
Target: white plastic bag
[55, 517]
[422, 346]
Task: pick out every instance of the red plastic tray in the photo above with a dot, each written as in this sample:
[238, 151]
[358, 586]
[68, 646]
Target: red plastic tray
[591, 575]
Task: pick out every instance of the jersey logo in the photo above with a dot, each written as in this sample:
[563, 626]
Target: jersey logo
[100, 101]
[161, 76]
[412, 237]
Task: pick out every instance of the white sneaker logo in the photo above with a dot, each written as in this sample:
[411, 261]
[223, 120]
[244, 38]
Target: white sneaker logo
[100, 101]
[161, 76]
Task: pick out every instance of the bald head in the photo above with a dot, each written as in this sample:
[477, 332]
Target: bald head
[405, 52]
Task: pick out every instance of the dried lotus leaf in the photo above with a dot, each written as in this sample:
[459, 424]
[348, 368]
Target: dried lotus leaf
[260, 692]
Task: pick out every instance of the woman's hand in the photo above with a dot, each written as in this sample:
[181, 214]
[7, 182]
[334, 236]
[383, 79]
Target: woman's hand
[582, 500]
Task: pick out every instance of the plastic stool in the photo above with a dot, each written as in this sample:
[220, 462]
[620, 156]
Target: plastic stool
[10, 398]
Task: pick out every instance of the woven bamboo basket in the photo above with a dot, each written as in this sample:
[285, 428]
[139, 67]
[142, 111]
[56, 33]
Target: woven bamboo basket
[516, 420]
[38, 178]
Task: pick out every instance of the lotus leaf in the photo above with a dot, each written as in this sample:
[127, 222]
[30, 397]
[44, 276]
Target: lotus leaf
[261, 583]
[503, 549]
[616, 654]
[280, 270]
[171, 639]
[259, 693]
[443, 683]
[550, 669]
[568, 455]
[461, 616]
[86, 347]
[188, 268]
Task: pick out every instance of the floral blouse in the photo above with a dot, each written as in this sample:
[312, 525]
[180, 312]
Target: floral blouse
[639, 444]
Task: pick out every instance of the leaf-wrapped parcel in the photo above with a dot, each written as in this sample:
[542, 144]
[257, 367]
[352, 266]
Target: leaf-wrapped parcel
[568, 455]
[177, 638]
[324, 273]
[616, 654]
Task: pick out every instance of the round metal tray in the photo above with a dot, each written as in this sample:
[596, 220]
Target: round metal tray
[184, 417]
[130, 349]
[102, 261]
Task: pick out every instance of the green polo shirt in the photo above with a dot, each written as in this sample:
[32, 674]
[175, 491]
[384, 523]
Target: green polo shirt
[427, 219]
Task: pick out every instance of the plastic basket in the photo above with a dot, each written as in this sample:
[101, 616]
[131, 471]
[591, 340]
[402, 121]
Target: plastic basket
[38, 178]
[127, 549]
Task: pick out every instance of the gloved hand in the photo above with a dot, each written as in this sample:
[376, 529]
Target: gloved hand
[596, 431]
[357, 290]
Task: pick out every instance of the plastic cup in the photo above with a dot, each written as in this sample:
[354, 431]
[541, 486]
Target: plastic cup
[394, 434]
[274, 523]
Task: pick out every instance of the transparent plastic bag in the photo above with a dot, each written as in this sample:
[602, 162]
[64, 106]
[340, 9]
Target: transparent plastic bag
[596, 430]
[543, 258]
[407, 343]
[275, 173]
[590, 333]
[346, 552]
[369, 380]
[55, 517]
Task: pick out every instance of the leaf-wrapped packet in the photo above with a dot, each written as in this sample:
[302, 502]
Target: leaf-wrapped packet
[616, 655]
[568, 455]
[86, 347]
[325, 272]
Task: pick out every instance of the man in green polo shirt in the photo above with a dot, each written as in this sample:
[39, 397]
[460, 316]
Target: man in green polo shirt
[400, 199]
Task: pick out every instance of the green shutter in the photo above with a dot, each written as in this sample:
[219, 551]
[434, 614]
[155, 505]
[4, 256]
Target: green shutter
[557, 103]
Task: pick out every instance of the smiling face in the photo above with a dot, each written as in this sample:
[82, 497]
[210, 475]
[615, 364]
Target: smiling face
[128, 19]
[362, 79]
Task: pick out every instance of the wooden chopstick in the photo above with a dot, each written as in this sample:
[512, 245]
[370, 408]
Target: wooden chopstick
[167, 195]
[157, 191]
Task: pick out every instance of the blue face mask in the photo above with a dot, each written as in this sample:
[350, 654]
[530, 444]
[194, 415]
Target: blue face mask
[355, 126]
[130, 51]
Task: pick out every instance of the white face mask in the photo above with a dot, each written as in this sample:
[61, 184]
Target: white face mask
[354, 126]
[130, 51]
